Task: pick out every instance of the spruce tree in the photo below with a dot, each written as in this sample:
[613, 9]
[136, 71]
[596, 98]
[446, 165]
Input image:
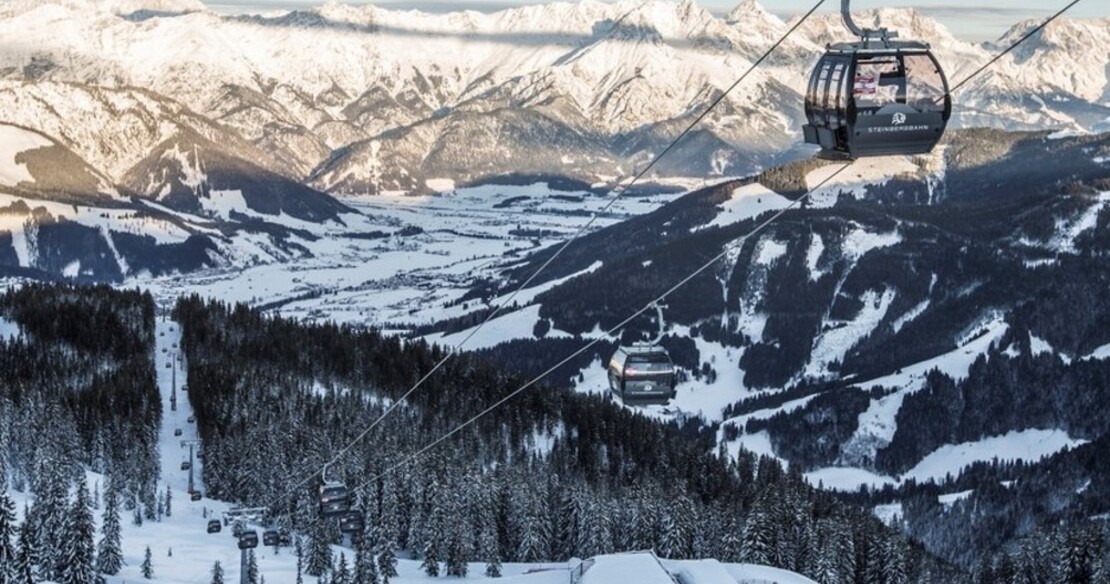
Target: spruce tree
[456, 555]
[217, 573]
[342, 574]
[366, 569]
[894, 560]
[430, 565]
[490, 552]
[319, 551]
[79, 566]
[48, 513]
[300, 566]
[387, 562]
[169, 502]
[757, 542]
[252, 568]
[109, 555]
[7, 530]
[27, 556]
[147, 568]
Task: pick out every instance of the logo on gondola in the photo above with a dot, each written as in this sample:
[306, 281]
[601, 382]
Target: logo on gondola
[898, 119]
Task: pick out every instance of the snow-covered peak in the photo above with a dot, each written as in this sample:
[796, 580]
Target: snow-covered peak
[752, 12]
[119, 7]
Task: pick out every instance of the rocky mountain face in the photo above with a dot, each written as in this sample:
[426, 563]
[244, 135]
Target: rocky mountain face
[363, 99]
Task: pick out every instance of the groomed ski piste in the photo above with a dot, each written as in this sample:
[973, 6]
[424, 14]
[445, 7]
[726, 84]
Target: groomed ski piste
[184, 553]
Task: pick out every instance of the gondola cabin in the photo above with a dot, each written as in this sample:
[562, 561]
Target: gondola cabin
[214, 526]
[196, 496]
[335, 499]
[876, 97]
[248, 540]
[642, 375]
[185, 465]
[271, 537]
[352, 522]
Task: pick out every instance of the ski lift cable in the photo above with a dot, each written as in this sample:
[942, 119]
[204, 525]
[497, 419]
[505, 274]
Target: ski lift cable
[619, 190]
[411, 458]
[649, 306]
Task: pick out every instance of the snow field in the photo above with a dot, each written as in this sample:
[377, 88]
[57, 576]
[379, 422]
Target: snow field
[14, 141]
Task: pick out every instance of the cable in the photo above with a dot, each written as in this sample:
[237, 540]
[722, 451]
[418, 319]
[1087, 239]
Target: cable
[706, 266]
[563, 247]
[1012, 47]
[608, 333]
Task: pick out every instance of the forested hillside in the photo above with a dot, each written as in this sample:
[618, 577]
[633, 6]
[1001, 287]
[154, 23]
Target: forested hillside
[77, 393]
[548, 476]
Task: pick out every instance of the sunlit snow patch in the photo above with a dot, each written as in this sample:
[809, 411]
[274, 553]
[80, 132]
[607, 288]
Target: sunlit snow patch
[746, 202]
[13, 142]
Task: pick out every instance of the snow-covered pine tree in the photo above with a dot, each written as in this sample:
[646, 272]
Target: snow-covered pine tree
[490, 551]
[7, 531]
[252, 568]
[732, 542]
[169, 502]
[48, 512]
[342, 574]
[319, 550]
[825, 561]
[758, 545]
[147, 568]
[457, 553]
[217, 573]
[894, 560]
[366, 568]
[387, 561]
[1102, 572]
[26, 556]
[678, 528]
[109, 554]
[434, 532]
[79, 566]
[300, 566]
[430, 565]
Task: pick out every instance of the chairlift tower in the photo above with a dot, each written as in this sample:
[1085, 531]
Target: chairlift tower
[247, 540]
[191, 444]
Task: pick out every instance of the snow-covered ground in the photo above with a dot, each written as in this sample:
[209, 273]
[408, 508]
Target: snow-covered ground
[14, 141]
[9, 329]
[372, 271]
[1027, 445]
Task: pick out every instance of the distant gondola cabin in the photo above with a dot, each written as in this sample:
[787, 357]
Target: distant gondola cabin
[642, 375]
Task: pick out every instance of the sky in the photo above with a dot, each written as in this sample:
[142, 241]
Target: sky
[977, 20]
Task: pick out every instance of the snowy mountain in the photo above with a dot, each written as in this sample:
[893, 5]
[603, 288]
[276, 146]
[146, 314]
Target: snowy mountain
[897, 332]
[365, 100]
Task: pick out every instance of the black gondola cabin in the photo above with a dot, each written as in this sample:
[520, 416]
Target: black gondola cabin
[642, 375]
[335, 499]
[352, 522]
[248, 540]
[876, 97]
